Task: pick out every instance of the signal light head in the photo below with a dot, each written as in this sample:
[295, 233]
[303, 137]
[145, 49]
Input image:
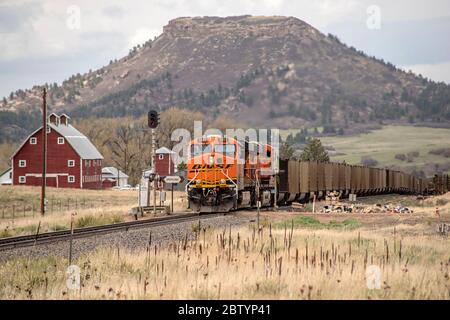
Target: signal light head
[153, 119]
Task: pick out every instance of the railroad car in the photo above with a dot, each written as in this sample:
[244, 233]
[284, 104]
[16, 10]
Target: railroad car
[302, 180]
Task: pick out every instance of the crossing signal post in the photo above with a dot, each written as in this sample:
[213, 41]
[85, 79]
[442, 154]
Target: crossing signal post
[153, 121]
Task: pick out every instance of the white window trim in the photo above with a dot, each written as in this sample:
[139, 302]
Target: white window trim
[71, 179]
[69, 163]
[33, 140]
[22, 179]
[22, 163]
[161, 157]
[61, 139]
[49, 129]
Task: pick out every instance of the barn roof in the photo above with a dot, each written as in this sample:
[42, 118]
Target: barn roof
[82, 145]
[5, 172]
[113, 172]
[163, 150]
[79, 142]
[5, 177]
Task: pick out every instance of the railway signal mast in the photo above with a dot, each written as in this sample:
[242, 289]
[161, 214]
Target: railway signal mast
[153, 121]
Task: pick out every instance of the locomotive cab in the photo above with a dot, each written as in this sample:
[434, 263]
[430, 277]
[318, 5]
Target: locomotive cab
[213, 174]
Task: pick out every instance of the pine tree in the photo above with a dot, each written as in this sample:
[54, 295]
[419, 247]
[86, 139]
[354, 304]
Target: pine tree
[314, 151]
[286, 151]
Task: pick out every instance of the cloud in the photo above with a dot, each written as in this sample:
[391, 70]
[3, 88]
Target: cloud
[400, 42]
[436, 72]
[143, 34]
[36, 30]
[15, 18]
[114, 12]
[275, 4]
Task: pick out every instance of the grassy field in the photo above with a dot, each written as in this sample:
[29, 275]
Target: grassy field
[19, 208]
[382, 145]
[284, 260]
[18, 195]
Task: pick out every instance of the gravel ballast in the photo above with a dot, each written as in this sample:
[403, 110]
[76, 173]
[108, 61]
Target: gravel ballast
[131, 239]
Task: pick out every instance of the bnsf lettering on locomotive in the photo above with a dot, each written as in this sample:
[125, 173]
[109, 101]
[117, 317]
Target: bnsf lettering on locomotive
[210, 166]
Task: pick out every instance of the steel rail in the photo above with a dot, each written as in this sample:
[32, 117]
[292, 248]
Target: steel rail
[49, 237]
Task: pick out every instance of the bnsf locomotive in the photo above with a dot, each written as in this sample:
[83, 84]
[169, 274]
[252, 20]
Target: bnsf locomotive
[225, 175]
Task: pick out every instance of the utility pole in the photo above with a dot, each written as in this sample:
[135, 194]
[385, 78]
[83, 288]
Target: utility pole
[44, 149]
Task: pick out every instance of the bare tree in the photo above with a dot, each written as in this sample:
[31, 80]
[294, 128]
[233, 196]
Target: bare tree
[123, 147]
[175, 118]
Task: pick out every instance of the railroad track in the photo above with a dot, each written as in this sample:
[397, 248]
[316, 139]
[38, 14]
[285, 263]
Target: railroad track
[48, 237]
[64, 235]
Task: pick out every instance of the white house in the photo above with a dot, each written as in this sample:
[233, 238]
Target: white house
[6, 177]
[112, 174]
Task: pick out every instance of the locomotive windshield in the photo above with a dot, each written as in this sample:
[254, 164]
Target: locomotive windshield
[227, 149]
[198, 149]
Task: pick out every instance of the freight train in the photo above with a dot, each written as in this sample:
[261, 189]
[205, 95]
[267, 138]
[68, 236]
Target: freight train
[225, 175]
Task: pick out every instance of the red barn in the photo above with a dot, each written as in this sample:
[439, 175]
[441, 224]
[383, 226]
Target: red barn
[164, 164]
[72, 160]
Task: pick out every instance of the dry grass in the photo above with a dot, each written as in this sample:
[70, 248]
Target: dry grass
[19, 194]
[92, 207]
[283, 261]
[244, 264]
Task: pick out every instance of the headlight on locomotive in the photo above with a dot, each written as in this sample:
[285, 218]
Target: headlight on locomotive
[223, 181]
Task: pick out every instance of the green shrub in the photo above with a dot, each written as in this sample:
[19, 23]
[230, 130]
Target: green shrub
[92, 220]
[57, 227]
[85, 221]
[116, 218]
[311, 222]
[5, 233]
[196, 227]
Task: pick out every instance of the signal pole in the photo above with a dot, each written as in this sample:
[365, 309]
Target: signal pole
[154, 169]
[44, 149]
[258, 202]
[153, 119]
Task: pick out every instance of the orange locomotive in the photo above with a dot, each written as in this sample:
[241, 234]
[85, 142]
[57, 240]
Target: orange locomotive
[224, 174]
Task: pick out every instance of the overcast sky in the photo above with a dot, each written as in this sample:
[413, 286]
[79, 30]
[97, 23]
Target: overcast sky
[44, 41]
